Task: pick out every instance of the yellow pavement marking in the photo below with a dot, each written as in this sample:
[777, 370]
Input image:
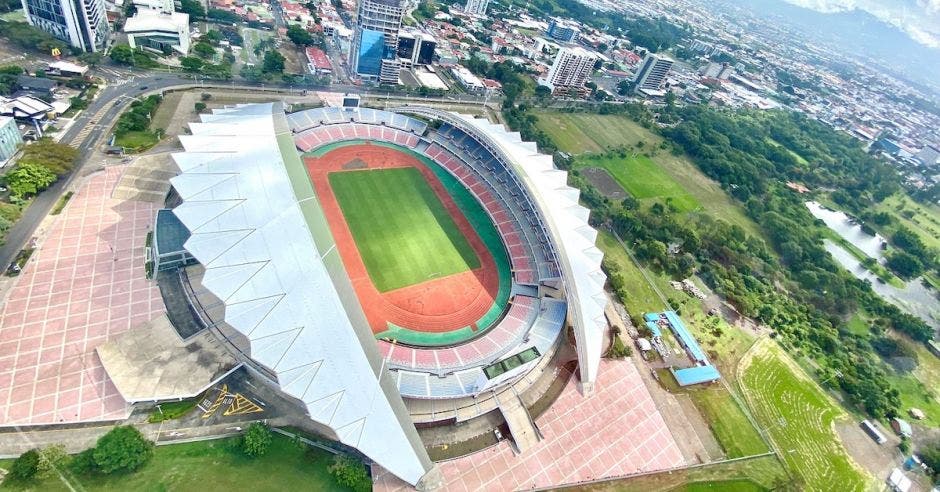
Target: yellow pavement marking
[241, 406]
[218, 402]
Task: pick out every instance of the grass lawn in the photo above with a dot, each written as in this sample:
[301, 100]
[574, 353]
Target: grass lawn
[799, 418]
[727, 422]
[577, 133]
[924, 220]
[137, 141]
[404, 234]
[215, 465]
[640, 176]
[642, 298]
[765, 473]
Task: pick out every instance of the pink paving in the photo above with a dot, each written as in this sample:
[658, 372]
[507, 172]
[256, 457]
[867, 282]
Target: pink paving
[618, 431]
[83, 286]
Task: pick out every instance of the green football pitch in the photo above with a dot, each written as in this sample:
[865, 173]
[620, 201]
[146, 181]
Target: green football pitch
[404, 234]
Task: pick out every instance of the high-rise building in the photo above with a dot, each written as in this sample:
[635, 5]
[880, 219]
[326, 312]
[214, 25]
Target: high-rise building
[719, 71]
[374, 48]
[563, 30]
[415, 47]
[652, 72]
[81, 23]
[10, 139]
[476, 7]
[572, 68]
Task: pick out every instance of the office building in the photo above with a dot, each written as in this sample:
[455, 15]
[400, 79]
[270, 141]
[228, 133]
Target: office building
[10, 139]
[929, 155]
[416, 47]
[165, 6]
[572, 69]
[652, 73]
[374, 48]
[80, 23]
[476, 7]
[563, 30]
[154, 30]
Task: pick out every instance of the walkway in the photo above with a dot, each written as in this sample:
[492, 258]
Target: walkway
[617, 431]
[84, 285]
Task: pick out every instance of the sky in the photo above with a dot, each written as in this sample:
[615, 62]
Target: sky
[919, 19]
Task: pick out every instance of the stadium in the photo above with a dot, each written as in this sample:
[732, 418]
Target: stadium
[385, 269]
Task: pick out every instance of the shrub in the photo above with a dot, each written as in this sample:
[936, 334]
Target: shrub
[123, 448]
[26, 466]
[256, 440]
[51, 459]
[350, 473]
[83, 463]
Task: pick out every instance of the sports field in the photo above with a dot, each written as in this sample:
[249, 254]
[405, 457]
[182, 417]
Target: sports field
[404, 234]
[799, 418]
[640, 176]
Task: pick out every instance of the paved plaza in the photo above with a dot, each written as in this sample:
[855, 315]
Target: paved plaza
[618, 431]
[84, 285]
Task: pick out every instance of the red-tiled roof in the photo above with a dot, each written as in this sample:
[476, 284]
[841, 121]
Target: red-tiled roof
[318, 58]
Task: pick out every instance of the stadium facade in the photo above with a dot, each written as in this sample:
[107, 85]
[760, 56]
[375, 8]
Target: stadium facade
[267, 256]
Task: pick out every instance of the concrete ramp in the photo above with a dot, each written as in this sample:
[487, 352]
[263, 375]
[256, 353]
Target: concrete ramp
[523, 430]
[147, 179]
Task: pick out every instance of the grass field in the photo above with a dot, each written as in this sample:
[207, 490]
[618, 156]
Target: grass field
[404, 234]
[643, 179]
[924, 220]
[764, 473]
[642, 298]
[214, 465]
[799, 418]
[137, 141]
[577, 133]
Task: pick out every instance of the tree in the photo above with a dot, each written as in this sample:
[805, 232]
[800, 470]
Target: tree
[92, 58]
[29, 179]
[299, 35]
[25, 466]
[56, 157]
[350, 473]
[194, 8]
[273, 62]
[199, 107]
[213, 36]
[204, 50]
[51, 459]
[123, 448]
[905, 264]
[251, 73]
[122, 54]
[226, 16]
[931, 458]
[256, 440]
[191, 63]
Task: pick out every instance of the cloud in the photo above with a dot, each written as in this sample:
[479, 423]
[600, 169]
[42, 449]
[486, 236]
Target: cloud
[920, 19]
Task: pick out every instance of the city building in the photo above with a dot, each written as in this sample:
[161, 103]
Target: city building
[476, 7]
[317, 61]
[158, 31]
[929, 155]
[373, 51]
[66, 69]
[720, 71]
[80, 23]
[40, 87]
[563, 30]
[570, 71]
[466, 79]
[10, 139]
[415, 47]
[165, 6]
[652, 73]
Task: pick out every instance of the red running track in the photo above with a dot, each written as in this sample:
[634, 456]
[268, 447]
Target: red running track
[438, 305]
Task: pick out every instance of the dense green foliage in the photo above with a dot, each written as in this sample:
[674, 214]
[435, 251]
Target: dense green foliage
[931, 458]
[350, 473]
[223, 16]
[30, 38]
[56, 157]
[25, 466]
[273, 62]
[204, 50]
[8, 75]
[137, 117]
[194, 8]
[257, 440]
[28, 179]
[299, 35]
[123, 448]
[125, 55]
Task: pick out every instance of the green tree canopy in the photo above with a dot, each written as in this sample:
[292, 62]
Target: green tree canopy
[273, 62]
[122, 54]
[56, 157]
[256, 440]
[299, 35]
[203, 50]
[28, 179]
[25, 466]
[123, 448]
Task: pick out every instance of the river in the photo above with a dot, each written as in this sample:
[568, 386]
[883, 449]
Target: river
[851, 231]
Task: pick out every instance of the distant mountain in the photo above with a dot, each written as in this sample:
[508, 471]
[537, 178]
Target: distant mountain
[860, 33]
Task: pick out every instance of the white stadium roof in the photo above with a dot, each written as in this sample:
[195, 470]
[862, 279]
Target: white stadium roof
[259, 232]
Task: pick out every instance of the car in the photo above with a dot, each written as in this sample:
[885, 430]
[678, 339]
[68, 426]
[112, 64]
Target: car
[144, 87]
